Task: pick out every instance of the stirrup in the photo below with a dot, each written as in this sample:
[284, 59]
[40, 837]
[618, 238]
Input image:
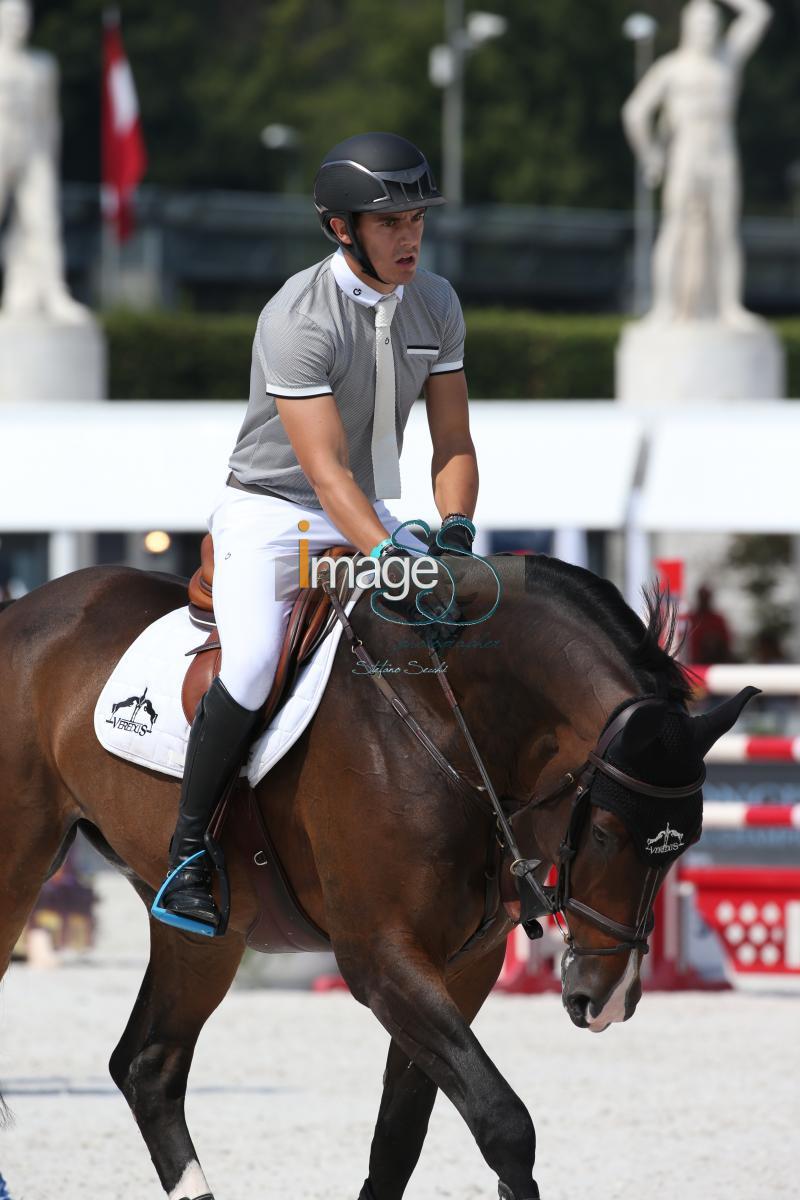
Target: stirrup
[169, 918]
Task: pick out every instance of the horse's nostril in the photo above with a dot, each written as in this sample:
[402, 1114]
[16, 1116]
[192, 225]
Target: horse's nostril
[578, 1006]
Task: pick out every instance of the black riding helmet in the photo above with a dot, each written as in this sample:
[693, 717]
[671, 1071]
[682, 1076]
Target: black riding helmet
[371, 172]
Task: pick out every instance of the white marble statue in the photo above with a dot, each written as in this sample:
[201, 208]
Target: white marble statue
[29, 149]
[680, 121]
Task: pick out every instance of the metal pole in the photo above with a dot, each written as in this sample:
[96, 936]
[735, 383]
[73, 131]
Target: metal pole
[68, 550]
[571, 546]
[644, 206]
[110, 264]
[453, 107]
[638, 556]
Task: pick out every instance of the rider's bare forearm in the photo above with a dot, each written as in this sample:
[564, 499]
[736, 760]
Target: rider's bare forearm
[454, 474]
[349, 509]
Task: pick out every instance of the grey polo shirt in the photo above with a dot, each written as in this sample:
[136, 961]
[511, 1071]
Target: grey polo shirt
[316, 336]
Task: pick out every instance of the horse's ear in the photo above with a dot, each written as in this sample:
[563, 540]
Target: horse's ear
[709, 727]
[642, 727]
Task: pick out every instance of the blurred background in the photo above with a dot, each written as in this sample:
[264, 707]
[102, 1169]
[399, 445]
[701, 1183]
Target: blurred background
[239, 102]
[547, 239]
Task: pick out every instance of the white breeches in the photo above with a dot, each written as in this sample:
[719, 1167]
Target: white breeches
[256, 553]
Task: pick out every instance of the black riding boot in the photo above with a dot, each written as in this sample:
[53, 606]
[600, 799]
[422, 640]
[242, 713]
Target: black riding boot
[218, 742]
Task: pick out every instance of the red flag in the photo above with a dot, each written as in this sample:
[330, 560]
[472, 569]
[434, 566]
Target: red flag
[124, 154]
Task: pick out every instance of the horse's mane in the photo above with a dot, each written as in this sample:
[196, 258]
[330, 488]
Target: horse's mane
[648, 648]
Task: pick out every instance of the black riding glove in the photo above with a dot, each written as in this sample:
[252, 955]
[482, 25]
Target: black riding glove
[457, 533]
[434, 602]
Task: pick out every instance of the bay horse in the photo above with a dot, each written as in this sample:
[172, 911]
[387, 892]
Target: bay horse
[384, 853]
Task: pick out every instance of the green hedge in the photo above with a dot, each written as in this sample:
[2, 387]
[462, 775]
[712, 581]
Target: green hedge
[177, 356]
[518, 355]
[510, 355]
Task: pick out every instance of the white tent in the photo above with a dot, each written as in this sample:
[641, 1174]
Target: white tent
[134, 466]
[720, 469]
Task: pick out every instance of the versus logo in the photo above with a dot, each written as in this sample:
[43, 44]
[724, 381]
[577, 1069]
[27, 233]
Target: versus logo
[665, 842]
[132, 724]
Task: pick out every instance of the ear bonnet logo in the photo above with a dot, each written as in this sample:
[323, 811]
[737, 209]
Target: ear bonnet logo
[662, 843]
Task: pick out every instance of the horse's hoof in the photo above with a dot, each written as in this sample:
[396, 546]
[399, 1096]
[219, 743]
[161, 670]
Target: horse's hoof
[505, 1193]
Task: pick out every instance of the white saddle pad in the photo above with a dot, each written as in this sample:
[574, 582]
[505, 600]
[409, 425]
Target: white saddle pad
[139, 715]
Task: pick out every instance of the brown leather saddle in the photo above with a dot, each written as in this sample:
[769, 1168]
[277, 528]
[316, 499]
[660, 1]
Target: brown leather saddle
[309, 623]
[281, 925]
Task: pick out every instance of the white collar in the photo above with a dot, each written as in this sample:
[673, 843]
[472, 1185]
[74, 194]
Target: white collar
[354, 287]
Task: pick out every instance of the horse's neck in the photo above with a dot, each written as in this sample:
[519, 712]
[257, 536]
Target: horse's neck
[535, 682]
[554, 681]
[578, 678]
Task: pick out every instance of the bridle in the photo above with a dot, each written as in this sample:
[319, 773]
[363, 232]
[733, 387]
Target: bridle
[537, 899]
[558, 899]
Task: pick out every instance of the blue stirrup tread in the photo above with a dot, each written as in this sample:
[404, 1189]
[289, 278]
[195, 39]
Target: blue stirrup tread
[175, 919]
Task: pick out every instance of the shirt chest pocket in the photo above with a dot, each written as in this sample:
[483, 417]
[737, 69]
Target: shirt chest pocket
[418, 358]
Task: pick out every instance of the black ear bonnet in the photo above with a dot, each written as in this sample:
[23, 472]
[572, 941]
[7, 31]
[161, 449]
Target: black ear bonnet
[662, 745]
[656, 747]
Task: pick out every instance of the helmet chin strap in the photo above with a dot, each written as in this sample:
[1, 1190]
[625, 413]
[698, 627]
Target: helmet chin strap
[358, 252]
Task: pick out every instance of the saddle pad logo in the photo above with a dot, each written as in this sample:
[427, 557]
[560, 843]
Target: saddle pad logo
[141, 718]
[665, 842]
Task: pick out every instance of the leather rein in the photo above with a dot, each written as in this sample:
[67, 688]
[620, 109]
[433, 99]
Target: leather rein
[536, 899]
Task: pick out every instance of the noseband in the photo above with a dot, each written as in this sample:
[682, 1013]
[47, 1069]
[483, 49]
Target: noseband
[553, 901]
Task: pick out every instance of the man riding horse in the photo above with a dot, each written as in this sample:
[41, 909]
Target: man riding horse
[340, 354]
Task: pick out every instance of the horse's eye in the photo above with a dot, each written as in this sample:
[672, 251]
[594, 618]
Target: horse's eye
[601, 836]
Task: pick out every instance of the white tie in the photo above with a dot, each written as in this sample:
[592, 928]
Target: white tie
[385, 461]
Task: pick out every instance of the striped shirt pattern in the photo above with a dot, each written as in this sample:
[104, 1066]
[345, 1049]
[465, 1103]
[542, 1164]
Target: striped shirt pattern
[317, 336]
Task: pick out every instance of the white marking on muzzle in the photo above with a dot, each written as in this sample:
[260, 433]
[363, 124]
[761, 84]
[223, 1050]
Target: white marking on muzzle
[614, 1008]
[191, 1183]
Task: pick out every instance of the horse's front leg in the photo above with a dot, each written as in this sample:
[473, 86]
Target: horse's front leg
[400, 982]
[409, 1094]
[406, 1104]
